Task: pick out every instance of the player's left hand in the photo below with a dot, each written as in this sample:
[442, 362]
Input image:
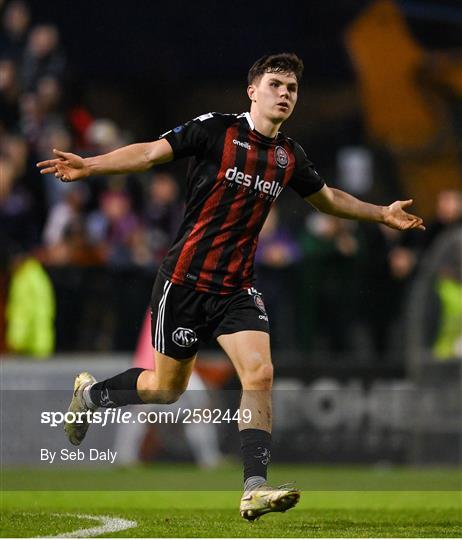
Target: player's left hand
[397, 218]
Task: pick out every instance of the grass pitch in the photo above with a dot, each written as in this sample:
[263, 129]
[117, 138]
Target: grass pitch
[207, 512]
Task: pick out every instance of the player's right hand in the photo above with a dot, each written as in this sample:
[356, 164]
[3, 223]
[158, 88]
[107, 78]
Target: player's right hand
[67, 167]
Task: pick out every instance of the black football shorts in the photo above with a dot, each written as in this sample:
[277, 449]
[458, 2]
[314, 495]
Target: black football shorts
[181, 317]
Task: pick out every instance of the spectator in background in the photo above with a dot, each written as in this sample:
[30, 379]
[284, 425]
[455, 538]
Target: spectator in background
[385, 278]
[15, 147]
[276, 255]
[9, 96]
[42, 57]
[448, 214]
[103, 136]
[49, 94]
[162, 214]
[16, 21]
[52, 136]
[118, 234]
[32, 120]
[447, 344]
[6, 185]
[329, 278]
[112, 227]
[75, 269]
[444, 315]
[19, 214]
[30, 309]
[80, 120]
[64, 215]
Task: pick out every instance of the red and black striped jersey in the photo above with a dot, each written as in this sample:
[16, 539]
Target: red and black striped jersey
[233, 179]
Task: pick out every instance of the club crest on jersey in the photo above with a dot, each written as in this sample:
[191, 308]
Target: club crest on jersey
[281, 157]
[259, 303]
[184, 337]
[257, 299]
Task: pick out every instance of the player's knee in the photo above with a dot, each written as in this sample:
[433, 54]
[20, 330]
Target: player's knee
[265, 375]
[260, 377]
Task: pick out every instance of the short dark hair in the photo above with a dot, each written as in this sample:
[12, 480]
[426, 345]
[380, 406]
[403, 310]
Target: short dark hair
[286, 63]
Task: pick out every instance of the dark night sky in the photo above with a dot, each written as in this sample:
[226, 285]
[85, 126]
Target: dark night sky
[179, 39]
[191, 39]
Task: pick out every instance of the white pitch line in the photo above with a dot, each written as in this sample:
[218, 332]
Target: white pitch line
[109, 525]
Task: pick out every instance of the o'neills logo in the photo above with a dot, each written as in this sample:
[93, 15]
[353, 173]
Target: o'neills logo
[245, 145]
[258, 184]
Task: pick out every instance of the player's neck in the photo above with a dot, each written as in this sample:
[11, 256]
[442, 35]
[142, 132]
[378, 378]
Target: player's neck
[264, 125]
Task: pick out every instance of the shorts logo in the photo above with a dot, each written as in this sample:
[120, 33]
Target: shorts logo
[184, 337]
[281, 157]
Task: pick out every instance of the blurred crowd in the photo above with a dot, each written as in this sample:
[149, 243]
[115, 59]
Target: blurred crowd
[78, 260]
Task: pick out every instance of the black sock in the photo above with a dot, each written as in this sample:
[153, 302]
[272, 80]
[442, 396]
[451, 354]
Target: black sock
[118, 390]
[256, 452]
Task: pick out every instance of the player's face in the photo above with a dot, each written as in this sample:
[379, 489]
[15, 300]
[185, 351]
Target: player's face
[275, 95]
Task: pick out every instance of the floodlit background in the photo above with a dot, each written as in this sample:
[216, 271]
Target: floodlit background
[366, 321]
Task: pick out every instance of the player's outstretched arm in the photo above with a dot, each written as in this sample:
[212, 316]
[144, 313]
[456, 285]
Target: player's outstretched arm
[132, 158]
[338, 203]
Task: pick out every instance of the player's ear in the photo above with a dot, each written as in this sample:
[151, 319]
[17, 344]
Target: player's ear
[251, 92]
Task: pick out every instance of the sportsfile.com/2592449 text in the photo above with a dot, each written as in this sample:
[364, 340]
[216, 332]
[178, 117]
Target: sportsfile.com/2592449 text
[118, 416]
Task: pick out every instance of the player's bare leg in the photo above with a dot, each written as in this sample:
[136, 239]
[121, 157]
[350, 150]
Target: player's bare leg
[167, 382]
[164, 384]
[249, 351]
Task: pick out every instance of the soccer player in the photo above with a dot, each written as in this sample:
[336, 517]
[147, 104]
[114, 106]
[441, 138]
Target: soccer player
[205, 286]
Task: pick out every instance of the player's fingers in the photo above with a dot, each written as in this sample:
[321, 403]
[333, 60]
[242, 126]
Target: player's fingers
[60, 170]
[415, 218]
[417, 225]
[49, 170]
[63, 175]
[407, 223]
[61, 154]
[405, 204]
[43, 163]
[47, 163]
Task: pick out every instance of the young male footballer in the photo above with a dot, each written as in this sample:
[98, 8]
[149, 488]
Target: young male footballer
[204, 289]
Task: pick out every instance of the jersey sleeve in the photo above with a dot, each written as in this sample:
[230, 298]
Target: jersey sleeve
[190, 139]
[305, 180]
